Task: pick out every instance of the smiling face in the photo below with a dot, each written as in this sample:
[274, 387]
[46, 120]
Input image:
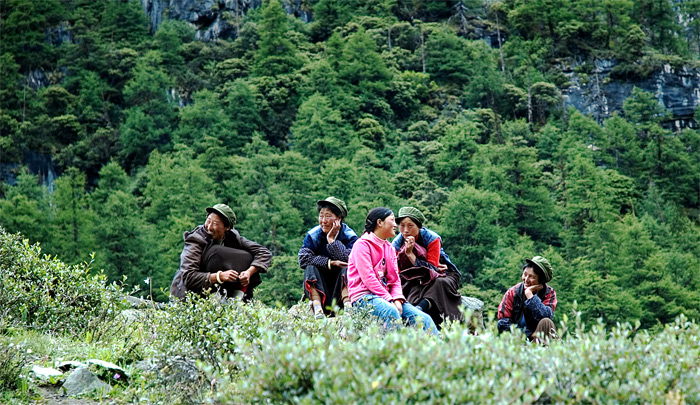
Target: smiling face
[326, 217]
[408, 228]
[215, 226]
[530, 278]
[386, 228]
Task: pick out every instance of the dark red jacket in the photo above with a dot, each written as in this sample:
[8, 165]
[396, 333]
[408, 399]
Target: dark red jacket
[514, 308]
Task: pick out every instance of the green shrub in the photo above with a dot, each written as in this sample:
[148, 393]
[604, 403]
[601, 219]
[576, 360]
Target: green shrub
[12, 363]
[208, 330]
[43, 293]
[282, 285]
[407, 366]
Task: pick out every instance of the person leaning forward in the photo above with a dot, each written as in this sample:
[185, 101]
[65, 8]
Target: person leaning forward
[530, 305]
[217, 258]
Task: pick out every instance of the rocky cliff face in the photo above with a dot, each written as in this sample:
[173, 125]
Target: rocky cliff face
[213, 19]
[677, 90]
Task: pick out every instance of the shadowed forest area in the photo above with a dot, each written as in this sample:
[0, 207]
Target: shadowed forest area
[379, 103]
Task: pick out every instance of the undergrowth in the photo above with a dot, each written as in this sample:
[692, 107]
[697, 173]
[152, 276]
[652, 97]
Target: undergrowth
[206, 350]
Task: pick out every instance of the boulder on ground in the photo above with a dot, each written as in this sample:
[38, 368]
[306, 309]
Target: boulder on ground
[476, 306]
[46, 375]
[83, 381]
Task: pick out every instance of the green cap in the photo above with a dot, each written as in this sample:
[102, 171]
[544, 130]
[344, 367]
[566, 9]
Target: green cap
[225, 213]
[413, 213]
[542, 267]
[336, 202]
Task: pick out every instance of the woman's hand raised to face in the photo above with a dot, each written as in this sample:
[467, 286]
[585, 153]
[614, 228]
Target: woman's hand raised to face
[333, 233]
[410, 243]
[532, 290]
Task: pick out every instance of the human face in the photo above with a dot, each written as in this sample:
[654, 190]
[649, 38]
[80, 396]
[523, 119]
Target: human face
[215, 226]
[386, 228]
[326, 218]
[408, 228]
[530, 278]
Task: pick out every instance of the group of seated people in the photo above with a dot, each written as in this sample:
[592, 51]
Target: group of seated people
[401, 279]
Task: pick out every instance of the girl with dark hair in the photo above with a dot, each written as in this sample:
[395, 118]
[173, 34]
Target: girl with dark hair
[373, 276]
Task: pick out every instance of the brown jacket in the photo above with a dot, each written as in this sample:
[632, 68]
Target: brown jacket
[190, 276]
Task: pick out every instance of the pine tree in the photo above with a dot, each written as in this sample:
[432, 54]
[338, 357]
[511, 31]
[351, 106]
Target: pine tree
[276, 54]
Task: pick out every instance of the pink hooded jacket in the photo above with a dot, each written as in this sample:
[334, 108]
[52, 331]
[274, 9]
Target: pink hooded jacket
[373, 269]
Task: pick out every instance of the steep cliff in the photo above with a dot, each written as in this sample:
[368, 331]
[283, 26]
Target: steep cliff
[597, 94]
[213, 19]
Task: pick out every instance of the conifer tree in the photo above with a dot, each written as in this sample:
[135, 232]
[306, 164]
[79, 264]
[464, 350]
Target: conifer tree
[276, 54]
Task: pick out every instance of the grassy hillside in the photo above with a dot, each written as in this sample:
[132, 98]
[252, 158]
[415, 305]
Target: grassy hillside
[208, 352]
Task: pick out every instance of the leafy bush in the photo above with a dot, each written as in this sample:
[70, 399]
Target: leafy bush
[12, 362]
[408, 366]
[282, 284]
[209, 330]
[46, 294]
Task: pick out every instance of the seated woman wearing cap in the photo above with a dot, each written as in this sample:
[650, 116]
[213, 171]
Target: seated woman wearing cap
[217, 258]
[429, 279]
[373, 275]
[530, 305]
[324, 256]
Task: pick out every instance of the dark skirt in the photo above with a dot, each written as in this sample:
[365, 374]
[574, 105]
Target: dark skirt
[222, 258]
[442, 291]
[328, 282]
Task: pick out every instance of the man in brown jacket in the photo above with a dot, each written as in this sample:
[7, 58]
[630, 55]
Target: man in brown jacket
[217, 258]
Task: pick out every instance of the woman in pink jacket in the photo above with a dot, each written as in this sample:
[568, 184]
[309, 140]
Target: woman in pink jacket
[373, 275]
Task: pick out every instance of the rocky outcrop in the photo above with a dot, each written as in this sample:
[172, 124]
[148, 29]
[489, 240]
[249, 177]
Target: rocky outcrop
[213, 19]
[82, 381]
[596, 94]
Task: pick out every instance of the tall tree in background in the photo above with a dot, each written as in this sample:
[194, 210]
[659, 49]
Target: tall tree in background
[276, 55]
[319, 132]
[25, 25]
[72, 221]
[25, 209]
[120, 243]
[151, 116]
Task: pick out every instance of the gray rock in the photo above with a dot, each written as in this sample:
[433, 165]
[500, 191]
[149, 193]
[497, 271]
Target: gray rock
[130, 315]
[140, 303]
[597, 94]
[172, 370]
[45, 374]
[70, 365]
[109, 371]
[82, 381]
[213, 19]
[180, 370]
[477, 307]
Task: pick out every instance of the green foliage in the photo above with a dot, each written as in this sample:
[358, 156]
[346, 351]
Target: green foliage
[253, 353]
[379, 103]
[471, 225]
[43, 293]
[282, 284]
[12, 365]
[72, 218]
[318, 368]
[319, 131]
[276, 54]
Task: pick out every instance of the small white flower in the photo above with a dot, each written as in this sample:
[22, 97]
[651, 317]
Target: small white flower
[147, 281]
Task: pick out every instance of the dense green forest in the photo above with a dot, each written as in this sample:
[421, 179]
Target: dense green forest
[385, 102]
